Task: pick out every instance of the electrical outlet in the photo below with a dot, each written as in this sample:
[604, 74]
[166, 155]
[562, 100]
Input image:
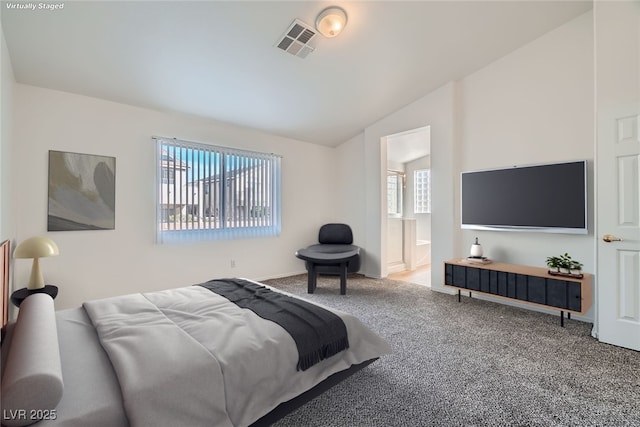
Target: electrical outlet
[233, 263]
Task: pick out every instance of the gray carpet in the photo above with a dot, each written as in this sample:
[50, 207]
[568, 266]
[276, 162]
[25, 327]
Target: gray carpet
[474, 363]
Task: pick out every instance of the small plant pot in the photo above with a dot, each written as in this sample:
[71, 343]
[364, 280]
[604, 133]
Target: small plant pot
[564, 270]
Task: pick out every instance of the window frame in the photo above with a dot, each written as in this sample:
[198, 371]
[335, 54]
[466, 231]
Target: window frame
[252, 183]
[399, 178]
[422, 206]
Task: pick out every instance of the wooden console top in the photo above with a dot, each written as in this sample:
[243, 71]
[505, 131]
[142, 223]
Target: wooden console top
[518, 269]
[586, 293]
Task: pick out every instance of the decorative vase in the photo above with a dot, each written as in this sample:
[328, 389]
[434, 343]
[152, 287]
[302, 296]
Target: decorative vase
[476, 250]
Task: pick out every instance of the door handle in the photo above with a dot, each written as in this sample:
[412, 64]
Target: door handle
[611, 238]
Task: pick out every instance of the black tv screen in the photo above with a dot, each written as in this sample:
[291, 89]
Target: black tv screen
[547, 198]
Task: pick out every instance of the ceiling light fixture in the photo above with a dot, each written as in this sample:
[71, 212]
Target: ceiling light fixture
[331, 21]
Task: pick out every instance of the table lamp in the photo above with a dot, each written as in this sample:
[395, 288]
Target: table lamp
[36, 248]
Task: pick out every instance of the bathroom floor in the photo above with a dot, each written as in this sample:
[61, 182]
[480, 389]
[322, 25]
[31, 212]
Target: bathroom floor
[419, 276]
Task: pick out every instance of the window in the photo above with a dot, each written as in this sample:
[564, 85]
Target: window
[207, 192]
[422, 193]
[395, 183]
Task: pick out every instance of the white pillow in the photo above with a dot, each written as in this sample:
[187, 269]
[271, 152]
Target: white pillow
[32, 378]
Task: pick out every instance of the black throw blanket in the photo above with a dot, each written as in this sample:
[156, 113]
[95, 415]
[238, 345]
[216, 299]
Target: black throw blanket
[318, 333]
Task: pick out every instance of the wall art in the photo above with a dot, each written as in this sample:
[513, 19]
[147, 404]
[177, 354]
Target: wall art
[82, 192]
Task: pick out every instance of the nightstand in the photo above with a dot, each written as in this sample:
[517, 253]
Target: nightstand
[18, 296]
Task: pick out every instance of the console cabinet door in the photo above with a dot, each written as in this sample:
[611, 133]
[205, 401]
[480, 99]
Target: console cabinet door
[502, 283]
[574, 296]
[511, 285]
[562, 294]
[557, 293]
[485, 280]
[493, 282]
[459, 276]
[522, 287]
[448, 274]
[537, 290]
[473, 279]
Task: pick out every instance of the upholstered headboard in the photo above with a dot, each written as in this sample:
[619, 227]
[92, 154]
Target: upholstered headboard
[32, 383]
[4, 277]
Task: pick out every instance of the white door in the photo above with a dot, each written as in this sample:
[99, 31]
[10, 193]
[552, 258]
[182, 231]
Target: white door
[618, 276]
[617, 38]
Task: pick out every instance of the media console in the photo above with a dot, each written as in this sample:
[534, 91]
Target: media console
[531, 285]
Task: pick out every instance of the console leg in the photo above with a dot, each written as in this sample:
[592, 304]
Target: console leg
[562, 318]
[568, 315]
[459, 293]
[343, 278]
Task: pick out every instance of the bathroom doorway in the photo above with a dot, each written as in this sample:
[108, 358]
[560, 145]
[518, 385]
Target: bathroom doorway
[408, 206]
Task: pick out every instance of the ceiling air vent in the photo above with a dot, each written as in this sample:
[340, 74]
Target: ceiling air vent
[298, 39]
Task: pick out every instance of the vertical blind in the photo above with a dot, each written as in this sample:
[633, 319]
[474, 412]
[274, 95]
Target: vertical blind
[207, 192]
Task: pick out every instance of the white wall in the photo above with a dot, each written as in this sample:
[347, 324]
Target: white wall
[438, 110]
[7, 228]
[395, 224]
[395, 243]
[351, 191]
[95, 264]
[535, 105]
[532, 105]
[6, 104]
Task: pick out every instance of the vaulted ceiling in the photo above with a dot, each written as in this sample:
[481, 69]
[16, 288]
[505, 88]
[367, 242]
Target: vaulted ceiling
[217, 59]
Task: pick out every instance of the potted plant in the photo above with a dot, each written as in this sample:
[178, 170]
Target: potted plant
[576, 268]
[553, 262]
[564, 264]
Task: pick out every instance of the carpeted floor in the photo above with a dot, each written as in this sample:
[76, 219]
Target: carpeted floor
[473, 363]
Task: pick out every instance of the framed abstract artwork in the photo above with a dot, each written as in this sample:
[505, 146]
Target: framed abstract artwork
[82, 192]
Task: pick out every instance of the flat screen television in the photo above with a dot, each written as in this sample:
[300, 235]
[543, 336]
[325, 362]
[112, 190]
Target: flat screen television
[549, 198]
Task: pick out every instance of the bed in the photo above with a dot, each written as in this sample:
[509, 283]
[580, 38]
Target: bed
[186, 356]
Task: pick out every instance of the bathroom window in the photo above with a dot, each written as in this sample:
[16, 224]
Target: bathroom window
[422, 193]
[395, 181]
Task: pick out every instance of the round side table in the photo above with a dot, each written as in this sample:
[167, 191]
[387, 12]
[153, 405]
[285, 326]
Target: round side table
[18, 296]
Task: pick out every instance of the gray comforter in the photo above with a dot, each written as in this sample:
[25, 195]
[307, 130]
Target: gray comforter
[188, 356]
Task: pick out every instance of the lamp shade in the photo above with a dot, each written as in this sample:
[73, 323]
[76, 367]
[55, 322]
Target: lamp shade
[331, 21]
[36, 248]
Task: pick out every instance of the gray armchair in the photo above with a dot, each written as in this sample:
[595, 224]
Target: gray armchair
[335, 254]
